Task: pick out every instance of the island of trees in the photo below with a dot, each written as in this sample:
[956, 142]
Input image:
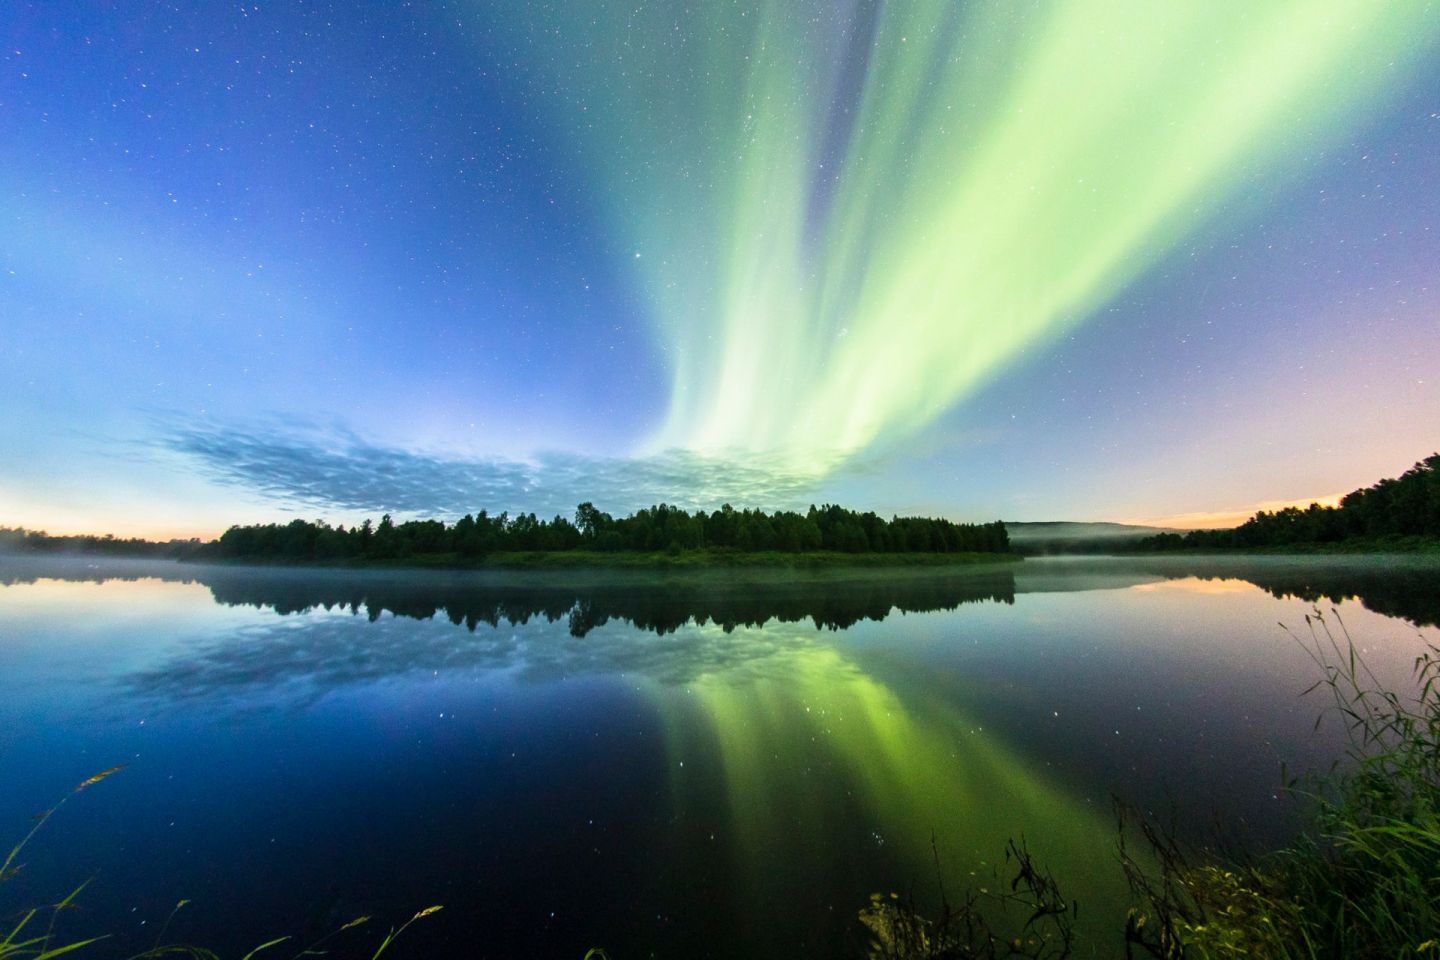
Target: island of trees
[20, 540]
[659, 530]
[1401, 513]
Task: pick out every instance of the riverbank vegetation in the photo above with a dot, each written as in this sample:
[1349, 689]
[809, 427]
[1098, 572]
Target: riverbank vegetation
[662, 534]
[1400, 514]
[1361, 883]
[1364, 880]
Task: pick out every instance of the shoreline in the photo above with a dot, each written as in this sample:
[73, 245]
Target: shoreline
[1371, 546]
[689, 560]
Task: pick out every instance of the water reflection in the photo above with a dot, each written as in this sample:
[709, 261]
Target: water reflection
[1396, 588]
[659, 608]
[782, 744]
[305, 657]
[353, 629]
[823, 763]
[794, 778]
[810, 747]
[1406, 587]
[656, 604]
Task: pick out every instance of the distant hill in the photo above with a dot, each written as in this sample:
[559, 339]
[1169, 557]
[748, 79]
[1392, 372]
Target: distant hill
[1071, 536]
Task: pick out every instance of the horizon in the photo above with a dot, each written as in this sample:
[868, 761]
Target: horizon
[1181, 524]
[1168, 270]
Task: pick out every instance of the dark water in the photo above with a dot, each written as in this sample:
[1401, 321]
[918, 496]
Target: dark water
[670, 768]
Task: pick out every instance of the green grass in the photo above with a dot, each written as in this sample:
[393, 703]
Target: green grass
[25, 940]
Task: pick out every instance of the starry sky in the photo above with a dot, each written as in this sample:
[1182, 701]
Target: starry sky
[1085, 259]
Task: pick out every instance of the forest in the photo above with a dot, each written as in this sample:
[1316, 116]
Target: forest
[657, 529]
[20, 540]
[1395, 509]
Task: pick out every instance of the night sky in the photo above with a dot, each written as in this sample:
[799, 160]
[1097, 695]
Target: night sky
[1091, 259]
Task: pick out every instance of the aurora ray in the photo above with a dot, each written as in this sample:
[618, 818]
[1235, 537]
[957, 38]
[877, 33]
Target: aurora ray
[846, 218]
[801, 711]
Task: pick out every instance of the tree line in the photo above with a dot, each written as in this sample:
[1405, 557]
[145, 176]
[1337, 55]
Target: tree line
[1404, 506]
[21, 540]
[661, 528]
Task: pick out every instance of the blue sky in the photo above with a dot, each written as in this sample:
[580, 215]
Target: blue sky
[339, 259]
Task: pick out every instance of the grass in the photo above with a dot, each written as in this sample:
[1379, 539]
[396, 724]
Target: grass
[969, 930]
[1364, 880]
[24, 941]
[21, 942]
[1361, 883]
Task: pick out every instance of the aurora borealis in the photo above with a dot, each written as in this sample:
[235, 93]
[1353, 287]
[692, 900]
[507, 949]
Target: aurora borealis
[858, 220]
[983, 259]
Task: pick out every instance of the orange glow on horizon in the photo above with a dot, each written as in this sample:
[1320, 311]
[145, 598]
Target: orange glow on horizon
[1229, 518]
[1199, 585]
[161, 531]
[120, 531]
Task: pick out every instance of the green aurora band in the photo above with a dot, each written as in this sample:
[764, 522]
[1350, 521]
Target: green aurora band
[845, 217]
[810, 743]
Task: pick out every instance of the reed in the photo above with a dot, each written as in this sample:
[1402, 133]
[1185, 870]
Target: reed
[22, 941]
[1362, 882]
[974, 927]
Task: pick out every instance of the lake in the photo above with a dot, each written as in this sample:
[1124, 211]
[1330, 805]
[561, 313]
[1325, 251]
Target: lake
[717, 766]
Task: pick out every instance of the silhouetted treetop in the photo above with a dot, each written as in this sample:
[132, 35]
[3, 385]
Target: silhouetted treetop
[660, 528]
[1405, 506]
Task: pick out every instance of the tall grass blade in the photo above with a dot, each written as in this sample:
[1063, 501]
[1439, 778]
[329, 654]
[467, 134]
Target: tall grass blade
[67, 948]
[265, 946]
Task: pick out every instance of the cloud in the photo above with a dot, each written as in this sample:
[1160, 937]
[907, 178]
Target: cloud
[302, 659]
[304, 466]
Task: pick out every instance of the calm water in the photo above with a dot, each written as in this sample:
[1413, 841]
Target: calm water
[662, 768]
